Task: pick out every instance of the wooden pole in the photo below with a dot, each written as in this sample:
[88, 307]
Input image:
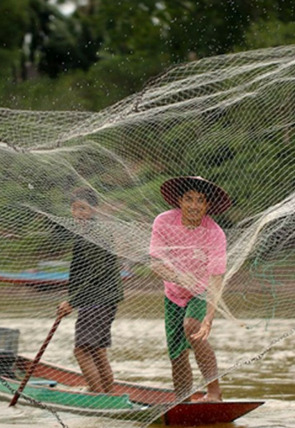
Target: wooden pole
[36, 360]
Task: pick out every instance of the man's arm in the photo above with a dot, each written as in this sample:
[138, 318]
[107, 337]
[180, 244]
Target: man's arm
[213, 295]
[169, 273]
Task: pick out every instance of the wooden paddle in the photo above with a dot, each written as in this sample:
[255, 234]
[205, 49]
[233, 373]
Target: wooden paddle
[35, 361]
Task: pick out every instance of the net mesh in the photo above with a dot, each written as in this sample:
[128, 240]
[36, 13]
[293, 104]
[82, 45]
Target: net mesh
[229, 119]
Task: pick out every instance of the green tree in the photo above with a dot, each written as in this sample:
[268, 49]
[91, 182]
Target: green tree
[265, 33]
[107, 49]
[13, 24]
[57, 43]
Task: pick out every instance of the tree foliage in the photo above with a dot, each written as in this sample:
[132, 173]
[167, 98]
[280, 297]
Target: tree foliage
[106, 50]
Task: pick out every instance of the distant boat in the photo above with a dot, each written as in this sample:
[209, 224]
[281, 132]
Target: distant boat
[39, 277]
[35, 277]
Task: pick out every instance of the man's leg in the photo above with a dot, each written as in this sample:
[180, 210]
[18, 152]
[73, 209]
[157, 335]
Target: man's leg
[178, 349]
[182, 375]
[205, 358]
[89, 369]
[104, 368]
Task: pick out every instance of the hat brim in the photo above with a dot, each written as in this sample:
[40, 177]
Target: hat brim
[218, 197]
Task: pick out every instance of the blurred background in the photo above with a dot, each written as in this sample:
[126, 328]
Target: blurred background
[89, 54]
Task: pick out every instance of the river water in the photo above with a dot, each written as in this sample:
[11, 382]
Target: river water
[135, 344]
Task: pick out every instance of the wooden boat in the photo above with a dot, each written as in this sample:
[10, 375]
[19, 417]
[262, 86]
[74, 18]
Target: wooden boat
[61, 388]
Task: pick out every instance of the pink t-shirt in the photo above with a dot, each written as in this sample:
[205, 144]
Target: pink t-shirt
[200, 251]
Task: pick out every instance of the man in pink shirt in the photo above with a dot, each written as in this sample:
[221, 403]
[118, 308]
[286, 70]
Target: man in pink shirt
[188, 251]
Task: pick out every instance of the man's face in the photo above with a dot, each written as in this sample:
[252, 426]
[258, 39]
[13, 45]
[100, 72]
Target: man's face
[82, 211]
[193, 205]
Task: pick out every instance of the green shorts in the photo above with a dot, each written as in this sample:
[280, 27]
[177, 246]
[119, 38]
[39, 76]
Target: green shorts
[174, 318]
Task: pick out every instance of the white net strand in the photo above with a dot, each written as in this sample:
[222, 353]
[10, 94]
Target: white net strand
[229, 119]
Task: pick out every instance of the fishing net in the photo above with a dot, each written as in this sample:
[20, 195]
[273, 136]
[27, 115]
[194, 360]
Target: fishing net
[229, 119]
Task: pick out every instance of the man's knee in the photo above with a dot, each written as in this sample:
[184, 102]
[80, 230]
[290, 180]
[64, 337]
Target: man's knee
[181, 360]
[80, 351]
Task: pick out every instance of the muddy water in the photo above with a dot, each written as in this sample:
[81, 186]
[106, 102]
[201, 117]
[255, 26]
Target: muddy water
[135, 344]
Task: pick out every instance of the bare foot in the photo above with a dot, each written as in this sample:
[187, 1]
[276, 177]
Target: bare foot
[210, 398]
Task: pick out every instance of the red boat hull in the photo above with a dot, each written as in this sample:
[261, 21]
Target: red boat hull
[193, 414]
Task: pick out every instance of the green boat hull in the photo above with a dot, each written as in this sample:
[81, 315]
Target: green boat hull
[76, 399]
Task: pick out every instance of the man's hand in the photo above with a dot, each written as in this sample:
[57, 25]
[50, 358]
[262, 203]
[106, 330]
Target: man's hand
[213, 295]
[204, 331]
[64, 309]
[187, 280]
